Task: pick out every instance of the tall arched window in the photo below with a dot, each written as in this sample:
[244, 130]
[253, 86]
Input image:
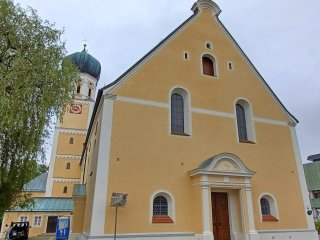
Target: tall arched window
[241, 122]
[78, 88]
[177, 113]
[209, 66]
[65, 189]
[180, 123]
[71, 140]
[68, 166]
[245, 125]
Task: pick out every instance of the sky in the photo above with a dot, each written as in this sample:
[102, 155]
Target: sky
[281, 38]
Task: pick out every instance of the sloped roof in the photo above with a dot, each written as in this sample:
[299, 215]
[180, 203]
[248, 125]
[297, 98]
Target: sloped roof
[48, 205]
[312, 173]
[37, 184]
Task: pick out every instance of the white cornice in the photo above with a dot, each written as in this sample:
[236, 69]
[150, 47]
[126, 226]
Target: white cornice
[82, 101]
[71, 131]
[142, 102]
[66, 179]
[196, 110]
[78, 157]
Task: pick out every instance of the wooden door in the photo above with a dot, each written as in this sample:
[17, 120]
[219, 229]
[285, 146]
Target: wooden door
[220, 216]
[51, 224]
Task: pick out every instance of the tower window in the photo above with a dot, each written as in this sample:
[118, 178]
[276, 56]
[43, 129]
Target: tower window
[208, 45]
[89, 92]
[71, 140]
[68, 165]
[65, 189]
[230, 65]
[96, 128]
[78, 88]
[186, 56]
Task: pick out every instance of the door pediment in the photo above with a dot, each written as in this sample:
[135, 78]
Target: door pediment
[223, 164]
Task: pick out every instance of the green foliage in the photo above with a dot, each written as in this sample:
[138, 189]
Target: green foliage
[317, 225]
[35, 84]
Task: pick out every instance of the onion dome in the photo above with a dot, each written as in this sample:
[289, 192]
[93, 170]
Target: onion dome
[86, 63]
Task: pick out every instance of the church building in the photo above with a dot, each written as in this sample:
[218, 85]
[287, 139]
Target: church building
[194, 136]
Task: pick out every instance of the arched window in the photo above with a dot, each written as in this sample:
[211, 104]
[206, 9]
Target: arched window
[241, 121]
[265, 206]
[78, 88]
[268, 208]
[65, 189]
[209, 66]
[89, 92]
[162, 208]
[177, 113]
[71, 140]
[68, 166]
[244, 122]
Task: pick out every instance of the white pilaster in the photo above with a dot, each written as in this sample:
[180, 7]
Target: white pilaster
[102, 168]
[302, 178]
[206, 234]
[252, 234]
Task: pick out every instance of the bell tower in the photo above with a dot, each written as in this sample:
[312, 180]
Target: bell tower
[71, 129]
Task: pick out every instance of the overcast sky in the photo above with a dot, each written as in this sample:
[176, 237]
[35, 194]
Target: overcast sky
[281, 38]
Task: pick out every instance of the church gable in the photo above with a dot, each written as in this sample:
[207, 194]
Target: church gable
[183, 58]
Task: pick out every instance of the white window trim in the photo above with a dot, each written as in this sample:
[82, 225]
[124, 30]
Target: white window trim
[186, 108]
[215, 64]
[273, 205]
[211, 45]
[249, 119]
[188, 56]
[170, 200]
[34, 218]
[232, 65]
[23, 216]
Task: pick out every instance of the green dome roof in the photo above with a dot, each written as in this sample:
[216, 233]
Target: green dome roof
[86, 63]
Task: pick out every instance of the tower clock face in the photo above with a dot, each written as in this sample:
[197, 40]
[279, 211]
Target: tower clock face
[76, 108]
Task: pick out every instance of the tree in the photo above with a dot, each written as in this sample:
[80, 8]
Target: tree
[36, 82]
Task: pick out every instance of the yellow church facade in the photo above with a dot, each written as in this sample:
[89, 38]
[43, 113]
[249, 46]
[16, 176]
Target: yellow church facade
[194, 131]
[197, 139]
